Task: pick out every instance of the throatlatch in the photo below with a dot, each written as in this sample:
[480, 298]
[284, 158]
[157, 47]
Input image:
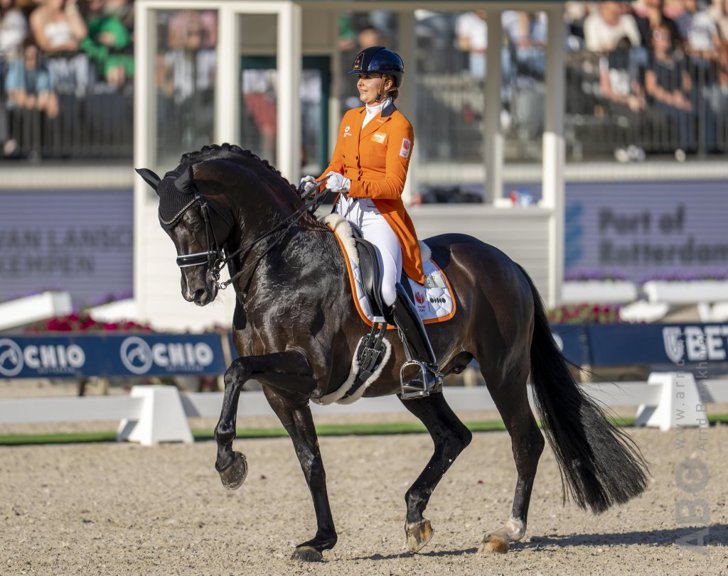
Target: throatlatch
[419, 375]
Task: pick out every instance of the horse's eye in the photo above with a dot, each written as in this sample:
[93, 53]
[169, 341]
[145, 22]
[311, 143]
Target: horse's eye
[195, 225]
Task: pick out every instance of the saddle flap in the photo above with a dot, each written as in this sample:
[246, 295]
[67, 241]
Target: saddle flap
[369, 270]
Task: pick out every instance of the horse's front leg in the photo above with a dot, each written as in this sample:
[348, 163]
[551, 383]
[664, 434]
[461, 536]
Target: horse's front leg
[295, 415]
[289, 370]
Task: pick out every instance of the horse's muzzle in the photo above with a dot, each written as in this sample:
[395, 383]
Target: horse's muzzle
[198, 288]
[204, 296]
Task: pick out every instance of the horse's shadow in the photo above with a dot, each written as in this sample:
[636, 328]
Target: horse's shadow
[689, 535]
[696, 536]
[437, 554]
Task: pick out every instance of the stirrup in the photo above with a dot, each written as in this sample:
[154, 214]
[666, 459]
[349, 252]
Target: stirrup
[418, 380]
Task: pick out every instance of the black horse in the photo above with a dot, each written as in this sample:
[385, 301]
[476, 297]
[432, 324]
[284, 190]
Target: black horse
[296, 330]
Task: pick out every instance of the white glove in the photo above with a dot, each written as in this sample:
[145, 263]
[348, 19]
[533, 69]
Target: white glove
[307, 186]
[337, 182]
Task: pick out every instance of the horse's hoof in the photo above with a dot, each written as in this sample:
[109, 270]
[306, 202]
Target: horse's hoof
[307, 554]
[495, 544]
[418, 535]
[234, 475]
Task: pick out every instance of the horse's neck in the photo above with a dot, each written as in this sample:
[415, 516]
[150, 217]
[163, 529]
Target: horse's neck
[302, 248]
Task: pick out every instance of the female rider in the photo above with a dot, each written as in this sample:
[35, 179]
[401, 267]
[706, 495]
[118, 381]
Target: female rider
[368, 170]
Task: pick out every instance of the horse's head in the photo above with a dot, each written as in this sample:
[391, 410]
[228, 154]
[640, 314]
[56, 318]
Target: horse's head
[221, 205]
[199, 224]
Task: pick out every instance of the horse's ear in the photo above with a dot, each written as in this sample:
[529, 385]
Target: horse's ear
[185, 182]
[149, 177]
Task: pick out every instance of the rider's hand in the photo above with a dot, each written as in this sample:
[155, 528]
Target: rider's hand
[307, 186]
[338, 183]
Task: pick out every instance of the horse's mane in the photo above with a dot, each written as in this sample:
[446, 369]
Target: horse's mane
[227, 151]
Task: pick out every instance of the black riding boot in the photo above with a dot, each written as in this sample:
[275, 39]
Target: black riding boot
[419, 375]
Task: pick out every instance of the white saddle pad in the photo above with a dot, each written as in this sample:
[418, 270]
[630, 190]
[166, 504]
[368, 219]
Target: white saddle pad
[434, 301]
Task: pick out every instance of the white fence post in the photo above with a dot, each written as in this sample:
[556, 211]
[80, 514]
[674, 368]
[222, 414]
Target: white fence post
[679, 403]
[161, 419]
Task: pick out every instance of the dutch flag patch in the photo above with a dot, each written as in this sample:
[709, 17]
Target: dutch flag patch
[406, 148]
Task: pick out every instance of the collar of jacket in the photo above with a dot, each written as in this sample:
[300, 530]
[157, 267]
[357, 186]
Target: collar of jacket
[388, 110]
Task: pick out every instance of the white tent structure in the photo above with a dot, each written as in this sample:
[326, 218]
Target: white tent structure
[532, 235]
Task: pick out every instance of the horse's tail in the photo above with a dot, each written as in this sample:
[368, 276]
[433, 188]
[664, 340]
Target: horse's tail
[600, 465]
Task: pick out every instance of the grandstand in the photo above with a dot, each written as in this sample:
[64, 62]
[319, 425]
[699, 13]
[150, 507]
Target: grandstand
[92, 119]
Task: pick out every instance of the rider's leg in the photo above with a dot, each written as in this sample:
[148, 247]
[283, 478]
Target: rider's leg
[422, 376]
[376, 230]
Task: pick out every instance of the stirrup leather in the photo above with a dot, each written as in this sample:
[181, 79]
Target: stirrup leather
[419, 380]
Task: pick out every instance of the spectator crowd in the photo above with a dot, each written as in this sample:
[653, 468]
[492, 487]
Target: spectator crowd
[656, 70]
[664, 62]
[659, 66]
[53, 53]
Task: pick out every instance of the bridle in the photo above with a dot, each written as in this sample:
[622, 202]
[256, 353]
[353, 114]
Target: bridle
[211, 256]
[215, 256]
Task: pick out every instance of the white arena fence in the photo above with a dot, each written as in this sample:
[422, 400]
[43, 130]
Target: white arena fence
[152, 413]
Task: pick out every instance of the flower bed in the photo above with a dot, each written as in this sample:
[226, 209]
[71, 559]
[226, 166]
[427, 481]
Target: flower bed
[84, 323]
[584, 314]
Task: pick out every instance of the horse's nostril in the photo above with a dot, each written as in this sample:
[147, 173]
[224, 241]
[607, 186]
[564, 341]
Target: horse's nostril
[199, 295]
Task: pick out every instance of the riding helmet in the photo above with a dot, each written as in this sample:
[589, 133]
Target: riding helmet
[379, 60]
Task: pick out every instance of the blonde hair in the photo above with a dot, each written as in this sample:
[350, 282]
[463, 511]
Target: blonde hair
[393, 93]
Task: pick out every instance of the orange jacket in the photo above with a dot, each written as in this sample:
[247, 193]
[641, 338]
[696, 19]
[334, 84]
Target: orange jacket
[376, 159]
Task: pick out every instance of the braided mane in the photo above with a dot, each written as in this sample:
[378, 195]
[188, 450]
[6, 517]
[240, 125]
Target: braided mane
[215, 151]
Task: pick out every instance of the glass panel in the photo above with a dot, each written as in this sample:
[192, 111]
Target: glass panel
[259, 95]
[258, 111]
[185, 80]
[314, 118]
[450, 81]
[259, 108]
[524, 73]
[259, 84]
[357, 31]
[451, 76]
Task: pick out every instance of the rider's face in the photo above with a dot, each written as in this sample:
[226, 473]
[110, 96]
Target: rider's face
[370, 86]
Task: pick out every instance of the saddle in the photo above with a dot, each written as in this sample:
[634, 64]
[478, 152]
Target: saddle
[373, 350]
[370, 273]
[434, 303]
[434, 300]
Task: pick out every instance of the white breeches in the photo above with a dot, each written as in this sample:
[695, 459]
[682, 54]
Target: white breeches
[363, 213]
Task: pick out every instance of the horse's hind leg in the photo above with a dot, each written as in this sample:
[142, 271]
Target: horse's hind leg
[450, 437]
[511, 398]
